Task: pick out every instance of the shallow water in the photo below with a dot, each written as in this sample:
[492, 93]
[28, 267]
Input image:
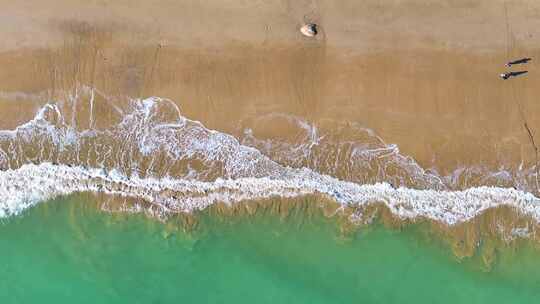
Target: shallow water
[66, 251]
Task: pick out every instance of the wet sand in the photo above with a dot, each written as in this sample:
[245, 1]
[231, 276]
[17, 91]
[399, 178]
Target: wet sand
[423, 75]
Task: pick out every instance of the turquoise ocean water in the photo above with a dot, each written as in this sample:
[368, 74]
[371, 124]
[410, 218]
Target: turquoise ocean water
[66, 251]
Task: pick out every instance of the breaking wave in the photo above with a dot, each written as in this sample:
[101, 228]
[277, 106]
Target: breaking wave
[148, 151]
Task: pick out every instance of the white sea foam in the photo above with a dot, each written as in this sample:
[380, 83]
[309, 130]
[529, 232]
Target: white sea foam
[218, 168]
[30, 184]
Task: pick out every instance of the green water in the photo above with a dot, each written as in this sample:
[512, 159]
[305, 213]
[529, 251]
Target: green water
[67, 252]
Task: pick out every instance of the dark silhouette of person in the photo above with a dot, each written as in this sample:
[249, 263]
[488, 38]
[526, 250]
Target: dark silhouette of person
[519, 61]
[512, 74]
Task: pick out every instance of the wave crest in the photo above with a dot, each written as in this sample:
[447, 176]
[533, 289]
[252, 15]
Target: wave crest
[153, 153]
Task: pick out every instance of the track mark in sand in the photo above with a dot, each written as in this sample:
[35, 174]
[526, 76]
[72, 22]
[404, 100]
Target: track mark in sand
[517, 101]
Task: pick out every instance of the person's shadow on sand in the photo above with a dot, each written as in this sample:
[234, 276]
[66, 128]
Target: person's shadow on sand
[512, 74]
[519, 61]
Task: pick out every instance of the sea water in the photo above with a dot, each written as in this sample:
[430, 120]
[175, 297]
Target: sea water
[68, 251]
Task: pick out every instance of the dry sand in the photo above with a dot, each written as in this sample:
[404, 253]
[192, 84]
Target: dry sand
[422, 74]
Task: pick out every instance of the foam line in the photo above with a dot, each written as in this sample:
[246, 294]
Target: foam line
[31, 184]
[217, 167]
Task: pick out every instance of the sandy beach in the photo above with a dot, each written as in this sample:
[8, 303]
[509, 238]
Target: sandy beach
[421, 74]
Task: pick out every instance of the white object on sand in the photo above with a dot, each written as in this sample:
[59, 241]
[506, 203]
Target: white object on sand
[309, 30]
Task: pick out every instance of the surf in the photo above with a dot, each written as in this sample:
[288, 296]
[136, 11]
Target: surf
[156, 155]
